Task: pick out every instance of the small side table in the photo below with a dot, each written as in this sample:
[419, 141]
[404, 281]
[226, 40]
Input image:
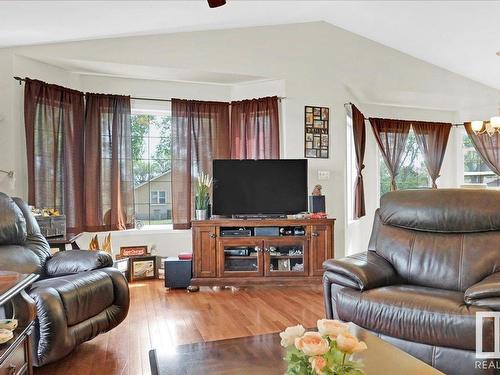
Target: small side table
[15, 354]
[60, 242]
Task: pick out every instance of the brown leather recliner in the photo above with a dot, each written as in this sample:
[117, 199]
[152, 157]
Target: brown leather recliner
[433, 262]
[78, 295]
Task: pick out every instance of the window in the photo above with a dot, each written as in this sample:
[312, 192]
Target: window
[412, 174]
[158, 197]
[352, 171]
[475, 169]
[151, 153]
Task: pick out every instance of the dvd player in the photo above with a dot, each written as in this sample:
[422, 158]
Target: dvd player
[236, 232]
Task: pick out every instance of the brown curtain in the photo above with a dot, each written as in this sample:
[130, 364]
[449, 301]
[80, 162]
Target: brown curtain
[254, 130]
[432, 139]
[200, 133]
[53, 118]
[487, 146]
[359, 135]
[391, 136]
[109, 186]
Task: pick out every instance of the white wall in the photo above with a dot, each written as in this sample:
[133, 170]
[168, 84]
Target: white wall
[11, 158]
[317, 63]
[155, 89]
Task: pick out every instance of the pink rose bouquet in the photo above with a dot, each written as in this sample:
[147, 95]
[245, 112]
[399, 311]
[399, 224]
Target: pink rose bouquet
[326, 352]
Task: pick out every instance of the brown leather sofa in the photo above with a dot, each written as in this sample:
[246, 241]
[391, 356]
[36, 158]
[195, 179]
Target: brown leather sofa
[433, 261]
[78, 295]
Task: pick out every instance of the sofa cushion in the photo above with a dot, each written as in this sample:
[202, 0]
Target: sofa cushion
[83, 295]
[415, 313]
[442, 210]
[439, 260]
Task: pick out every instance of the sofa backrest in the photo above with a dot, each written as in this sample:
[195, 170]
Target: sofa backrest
[440, 238]
[22, 246]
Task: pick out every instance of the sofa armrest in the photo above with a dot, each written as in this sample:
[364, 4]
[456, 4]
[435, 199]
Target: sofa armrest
[361, 271]
[485, 293]
[76, 261]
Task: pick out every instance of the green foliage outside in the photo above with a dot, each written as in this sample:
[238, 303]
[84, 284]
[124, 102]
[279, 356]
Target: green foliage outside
[413, 173]
[151, 153]
[474, 163]
[151, 146]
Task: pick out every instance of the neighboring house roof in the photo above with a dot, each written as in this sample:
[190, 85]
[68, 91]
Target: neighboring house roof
[153, 179]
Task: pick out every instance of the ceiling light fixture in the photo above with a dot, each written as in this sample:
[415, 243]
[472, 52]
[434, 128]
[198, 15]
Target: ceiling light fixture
[487, 127]
[216, 3]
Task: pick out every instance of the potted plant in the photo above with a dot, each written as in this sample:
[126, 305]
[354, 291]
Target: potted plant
[202, 196]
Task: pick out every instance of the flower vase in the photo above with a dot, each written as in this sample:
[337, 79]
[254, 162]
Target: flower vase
[201, 214]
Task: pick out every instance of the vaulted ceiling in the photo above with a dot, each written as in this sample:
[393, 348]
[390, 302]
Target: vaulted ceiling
[461, 36]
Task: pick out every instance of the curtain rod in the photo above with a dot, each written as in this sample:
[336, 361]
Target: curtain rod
[21, 80]
[367, 119]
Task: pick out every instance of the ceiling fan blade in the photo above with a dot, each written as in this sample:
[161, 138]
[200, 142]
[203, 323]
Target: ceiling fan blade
[216, 3]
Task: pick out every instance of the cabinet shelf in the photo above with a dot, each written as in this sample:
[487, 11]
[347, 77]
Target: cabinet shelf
[212, 266]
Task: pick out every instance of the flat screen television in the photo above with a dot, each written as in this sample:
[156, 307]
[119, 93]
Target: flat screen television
[259, 187]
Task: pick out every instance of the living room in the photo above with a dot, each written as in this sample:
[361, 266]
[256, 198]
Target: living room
[355, 101]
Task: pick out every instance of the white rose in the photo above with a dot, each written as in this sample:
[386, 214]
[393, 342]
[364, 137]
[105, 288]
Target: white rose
[331, 328]
[289, 335]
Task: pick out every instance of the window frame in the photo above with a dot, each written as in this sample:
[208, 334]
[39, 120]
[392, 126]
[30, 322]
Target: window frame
[351, 168]
[461, 164]
[380, 161]
[140, 107]
[158, 200]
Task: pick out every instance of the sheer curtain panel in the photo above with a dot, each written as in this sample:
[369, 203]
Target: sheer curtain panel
[255, 129]
[200, 133]
[391, 136]
[109, 186]
[53, 117]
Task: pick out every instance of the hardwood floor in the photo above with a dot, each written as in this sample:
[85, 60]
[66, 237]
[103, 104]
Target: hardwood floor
[163, 319]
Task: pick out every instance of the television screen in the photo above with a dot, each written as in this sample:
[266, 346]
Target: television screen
[252, 187]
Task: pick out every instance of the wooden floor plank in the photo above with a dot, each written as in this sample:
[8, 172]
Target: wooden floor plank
[163, 319]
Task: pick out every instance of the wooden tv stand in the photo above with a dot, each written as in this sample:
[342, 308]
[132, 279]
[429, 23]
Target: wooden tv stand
[292, 257]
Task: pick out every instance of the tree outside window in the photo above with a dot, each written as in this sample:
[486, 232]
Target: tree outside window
[413, 172]
[151, 153]
[475, 169]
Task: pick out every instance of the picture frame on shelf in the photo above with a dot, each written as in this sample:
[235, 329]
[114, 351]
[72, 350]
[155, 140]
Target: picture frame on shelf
[143, 268]
[133, 251]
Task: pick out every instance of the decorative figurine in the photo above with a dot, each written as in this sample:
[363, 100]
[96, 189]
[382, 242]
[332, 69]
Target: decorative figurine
[317, 191]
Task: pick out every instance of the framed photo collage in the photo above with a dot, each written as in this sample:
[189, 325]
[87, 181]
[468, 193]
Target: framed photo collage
[317, 141]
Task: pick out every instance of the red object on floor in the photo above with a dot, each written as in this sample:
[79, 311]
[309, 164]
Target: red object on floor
[185, 256]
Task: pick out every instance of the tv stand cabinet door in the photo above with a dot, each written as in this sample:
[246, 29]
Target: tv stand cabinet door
[320, 247]
[205, 255]
[230, 265]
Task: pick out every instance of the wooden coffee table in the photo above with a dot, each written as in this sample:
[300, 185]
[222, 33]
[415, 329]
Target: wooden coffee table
[264, 355]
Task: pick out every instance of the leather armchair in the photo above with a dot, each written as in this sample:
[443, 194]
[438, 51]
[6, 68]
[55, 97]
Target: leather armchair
[78, 295]
[433, 262]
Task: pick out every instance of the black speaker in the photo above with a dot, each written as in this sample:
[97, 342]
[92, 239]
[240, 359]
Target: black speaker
[177, 273]
[317, 203]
